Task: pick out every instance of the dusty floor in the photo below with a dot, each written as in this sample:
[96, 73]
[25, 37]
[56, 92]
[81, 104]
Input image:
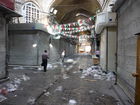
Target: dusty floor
[63, 85]
[81, 91]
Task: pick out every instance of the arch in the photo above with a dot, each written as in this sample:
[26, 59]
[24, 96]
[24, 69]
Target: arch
[30, 12]
[65, 6]
[72, 13]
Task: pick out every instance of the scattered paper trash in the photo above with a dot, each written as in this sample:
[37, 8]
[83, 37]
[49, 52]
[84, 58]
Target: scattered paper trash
[47, 94]
[18, 68]
[69, 60]
[75, 72]
[111, 76]
[31, 101]
[25, 77]
[49, 66]
[51, 84]
[55, 66]
[97, 73]
[91, 91]
[96, 76]
[2, 98]
[82, 76]
[65, 76]
[72, 102]
[59, 88]
[11, 87]
[40, 68]
[17, 81]
[15, 95]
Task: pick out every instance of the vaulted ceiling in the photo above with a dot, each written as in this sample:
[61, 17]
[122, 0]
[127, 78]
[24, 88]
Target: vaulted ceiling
[72, 10]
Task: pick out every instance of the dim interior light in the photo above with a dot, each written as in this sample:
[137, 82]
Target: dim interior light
[50, 45]
[87, 48]
[34, 45]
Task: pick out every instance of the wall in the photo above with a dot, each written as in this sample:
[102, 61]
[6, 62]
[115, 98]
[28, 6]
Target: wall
[2, 46]
[65, 45]
[128, 25]
[103, 49]
[22, 52]
[108, 49]
[112, 48]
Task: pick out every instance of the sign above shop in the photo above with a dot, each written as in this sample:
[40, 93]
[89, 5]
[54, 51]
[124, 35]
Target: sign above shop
[8, 4]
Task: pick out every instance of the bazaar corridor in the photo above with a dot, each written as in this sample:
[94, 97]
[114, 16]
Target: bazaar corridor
[69, 52]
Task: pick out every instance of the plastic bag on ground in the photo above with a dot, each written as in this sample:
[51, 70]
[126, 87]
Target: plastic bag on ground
[59, 88]
[65, 76]
[25, 77]
[72, 102]
[11, 87]
[2, 98]
[49, 66]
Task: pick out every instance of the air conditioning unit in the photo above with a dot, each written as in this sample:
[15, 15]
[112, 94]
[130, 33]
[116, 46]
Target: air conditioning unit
[105, 19]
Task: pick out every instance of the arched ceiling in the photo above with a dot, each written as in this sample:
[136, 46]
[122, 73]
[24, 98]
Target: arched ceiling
[68, 9]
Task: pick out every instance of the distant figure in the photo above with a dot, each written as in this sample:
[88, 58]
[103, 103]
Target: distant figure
[45, 60]
[63, 55]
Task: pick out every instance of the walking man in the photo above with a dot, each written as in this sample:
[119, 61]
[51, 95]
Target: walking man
[63, 56]
[45, 60]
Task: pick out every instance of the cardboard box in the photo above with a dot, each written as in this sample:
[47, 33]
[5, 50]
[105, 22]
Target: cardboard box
[96, 61]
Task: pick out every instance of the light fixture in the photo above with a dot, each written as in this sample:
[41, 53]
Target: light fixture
[88, 48]
[50, 45]
[55, 11]
[51, 9]
[34, 45]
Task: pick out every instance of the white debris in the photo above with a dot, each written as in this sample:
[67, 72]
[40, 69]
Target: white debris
[55, 66]
[12, 87]
[110, 76]
[97, 73]
[15, 95]
[47, 94]
[69, 60]
[96, 76]
[18, 68]
[31, 101]
[49, 66]
[51, 84]
[2, 98]
[65, 76]
[40, 68]
[17, 81]
[59, 88]
[72, 102]
[76, 72]
[25, 77]
[65, 66]
[91, 91]
[82, 76]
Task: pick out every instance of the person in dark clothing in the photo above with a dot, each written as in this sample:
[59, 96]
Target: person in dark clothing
[45, 60]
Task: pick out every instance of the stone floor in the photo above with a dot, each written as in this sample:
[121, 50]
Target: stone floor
[63, 85]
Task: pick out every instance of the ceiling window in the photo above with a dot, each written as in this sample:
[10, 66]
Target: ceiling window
[30, 12]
